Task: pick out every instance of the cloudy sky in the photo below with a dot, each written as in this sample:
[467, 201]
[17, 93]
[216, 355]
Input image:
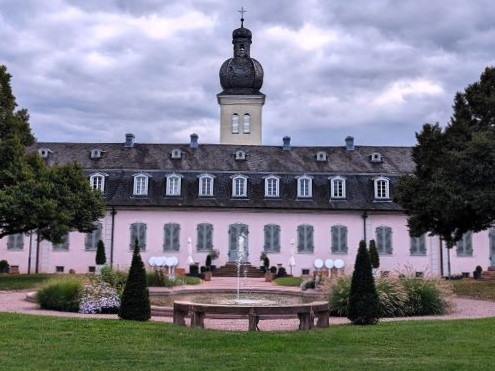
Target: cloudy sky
[92, 70]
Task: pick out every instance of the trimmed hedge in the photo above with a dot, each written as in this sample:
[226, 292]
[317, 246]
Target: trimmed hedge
[61, 294]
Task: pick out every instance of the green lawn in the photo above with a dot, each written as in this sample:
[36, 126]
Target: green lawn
[9, 282]
[475, 289]
[288, 281]
[41, 343]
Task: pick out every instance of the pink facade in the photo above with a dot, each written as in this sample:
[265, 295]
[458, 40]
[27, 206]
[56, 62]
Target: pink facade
[79, 259]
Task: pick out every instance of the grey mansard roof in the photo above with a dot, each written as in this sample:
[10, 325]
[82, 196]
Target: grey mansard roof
[121, 163]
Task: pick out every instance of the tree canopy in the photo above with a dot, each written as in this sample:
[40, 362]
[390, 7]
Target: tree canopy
[52, 200]
[452, 189]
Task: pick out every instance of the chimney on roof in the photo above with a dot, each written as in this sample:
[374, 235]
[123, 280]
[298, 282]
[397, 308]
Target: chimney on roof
[349, 143]
[286, 146]
[194, 141]
[129, 140]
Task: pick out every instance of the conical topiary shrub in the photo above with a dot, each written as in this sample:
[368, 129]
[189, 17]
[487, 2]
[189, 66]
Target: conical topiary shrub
[101, 258]
[363, 300]
[135, 304]
[374, 257]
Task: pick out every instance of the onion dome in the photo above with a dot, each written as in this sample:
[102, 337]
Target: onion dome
[241, 74]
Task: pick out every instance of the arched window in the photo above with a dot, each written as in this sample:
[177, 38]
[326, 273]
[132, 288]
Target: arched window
[272, 186]
[141, 184]
[246, 124]
[173, 185]
[382, 189]
[206, 185]
[337, 187]
[97, 181]
[239, 186]
[304, 186]
[235, 123]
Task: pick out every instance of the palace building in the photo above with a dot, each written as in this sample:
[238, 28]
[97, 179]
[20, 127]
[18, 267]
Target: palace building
[294, 203]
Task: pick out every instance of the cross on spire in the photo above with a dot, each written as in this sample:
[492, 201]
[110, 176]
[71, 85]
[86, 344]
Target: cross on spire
[242, 11]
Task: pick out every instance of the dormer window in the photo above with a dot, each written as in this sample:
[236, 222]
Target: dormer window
[235, 123]
[141, 181]
[97, 181]
[176, 153]
[96, 153]
[376, 157]
[337, 187]
[272, 186]
[239, 186]
[44, 152]
[173, 185]
[382, 188]
[206, 185]
[304, 186]
[321, 156]
[240, 155]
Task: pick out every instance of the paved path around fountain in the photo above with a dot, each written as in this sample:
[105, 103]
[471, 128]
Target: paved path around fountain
[15, 301]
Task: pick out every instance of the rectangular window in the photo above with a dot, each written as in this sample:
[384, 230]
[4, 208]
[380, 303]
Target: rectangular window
[91, 269]
[239, 187]
[206, 186]
[338, 188]
[140, 185]
[173, 186]
[304, 187]
[138, 231]
[92, 238]
[464, 247]
[97, 182]
[305, 239]
[272, 238]
[418, 245]
[15, 241]
[384, 240]
[59, 269]
[64, 245]
[382, 188]
[171, 237]
[271, 187]
[205, 237]
[339, 239]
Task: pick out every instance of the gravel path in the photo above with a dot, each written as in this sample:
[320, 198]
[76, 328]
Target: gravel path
[16, 302]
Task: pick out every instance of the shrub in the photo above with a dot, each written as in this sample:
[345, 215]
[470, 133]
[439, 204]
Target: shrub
[281, 272]
[115, 278]
[4, 266]
[101, 258]
[339, 296]
[426, 296]
[61, 294]
[273, 269]
[158, 279]
[374, 257]
[135, 304]
[214, 254]
[363, 299]
[208, 262]
[99, 297]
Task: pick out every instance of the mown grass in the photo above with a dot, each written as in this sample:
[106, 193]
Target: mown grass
[41, 343]
[475, 289]
[288, 281]
[13, 282]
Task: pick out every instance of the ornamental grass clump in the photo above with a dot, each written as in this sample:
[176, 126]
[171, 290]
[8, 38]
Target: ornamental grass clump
[426, 296]
[392, 297]
[339, 296]
[99, 297]
[61, 293]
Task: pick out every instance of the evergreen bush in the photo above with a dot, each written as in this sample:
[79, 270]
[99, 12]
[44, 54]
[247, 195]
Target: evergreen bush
[135, 303]
[4, 266]
[363, 300]
[101, 258]
[60, 294]
[208, 262]
[374, 257]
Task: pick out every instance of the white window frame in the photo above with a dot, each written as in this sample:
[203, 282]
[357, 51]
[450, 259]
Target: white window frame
[239, 186]
[174, 184]
[141, 183]
[206, 184]
[97, 181]
[382, 188]
[304, 191]
[336, 191]
[235, 123]
[272, 186]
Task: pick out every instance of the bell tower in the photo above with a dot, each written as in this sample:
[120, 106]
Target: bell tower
[241, 101]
